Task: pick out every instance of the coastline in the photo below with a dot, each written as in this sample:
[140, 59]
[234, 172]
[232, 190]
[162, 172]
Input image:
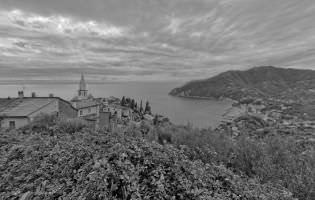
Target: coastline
[206, 98]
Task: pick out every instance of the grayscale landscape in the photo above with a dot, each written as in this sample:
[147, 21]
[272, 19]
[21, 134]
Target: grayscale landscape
[157, 99]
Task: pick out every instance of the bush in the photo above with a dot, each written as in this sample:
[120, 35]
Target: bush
[280, 160]
[92, 165]
[42, 122]
[71, 125]
[47, 123]
[273, 159]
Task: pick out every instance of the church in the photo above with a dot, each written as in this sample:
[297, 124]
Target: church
[84, 102]
[89, 108]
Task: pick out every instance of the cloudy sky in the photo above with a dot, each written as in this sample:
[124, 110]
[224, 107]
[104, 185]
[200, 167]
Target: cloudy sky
[151, 40]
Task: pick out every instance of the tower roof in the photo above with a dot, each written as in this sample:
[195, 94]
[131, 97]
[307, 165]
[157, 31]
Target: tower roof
[82, 86]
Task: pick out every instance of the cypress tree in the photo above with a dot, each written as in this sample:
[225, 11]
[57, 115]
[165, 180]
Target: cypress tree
[147, 109]
[132, 104]
[123, 101]
[141, 107]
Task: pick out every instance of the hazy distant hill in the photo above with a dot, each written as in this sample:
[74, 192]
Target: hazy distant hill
[256, 82]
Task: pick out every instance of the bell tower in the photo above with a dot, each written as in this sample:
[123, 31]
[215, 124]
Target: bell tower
[82, 92]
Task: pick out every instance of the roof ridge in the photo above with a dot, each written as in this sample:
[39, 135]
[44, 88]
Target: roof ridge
[51, 101]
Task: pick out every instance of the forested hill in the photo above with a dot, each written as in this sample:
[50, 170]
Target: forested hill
[256, 82]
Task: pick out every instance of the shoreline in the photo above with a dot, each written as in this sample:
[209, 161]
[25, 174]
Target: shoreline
[205, 98]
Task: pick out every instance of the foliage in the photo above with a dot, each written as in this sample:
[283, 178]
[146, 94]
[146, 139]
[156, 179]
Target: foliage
[71, 125]
[97, 165]
[123, 101]
[147, 108]
[276, 159]
[47, 122]
[141, 107]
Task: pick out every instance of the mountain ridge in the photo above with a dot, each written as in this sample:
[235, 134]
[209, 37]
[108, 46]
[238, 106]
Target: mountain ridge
[259, 82]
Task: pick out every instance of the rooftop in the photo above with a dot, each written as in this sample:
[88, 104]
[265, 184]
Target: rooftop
[23, 107]
[4, 102]
[86, 104]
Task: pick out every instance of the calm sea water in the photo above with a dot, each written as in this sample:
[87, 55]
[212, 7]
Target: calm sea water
[201, 113]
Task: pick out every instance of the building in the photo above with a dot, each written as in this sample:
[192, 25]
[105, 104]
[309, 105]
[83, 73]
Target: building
[18, 112]
[87, 107]
[82, 93]
[118, 111]
[84, 102]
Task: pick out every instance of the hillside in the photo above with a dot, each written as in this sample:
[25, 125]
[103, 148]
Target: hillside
[263, 82]
[49, 163]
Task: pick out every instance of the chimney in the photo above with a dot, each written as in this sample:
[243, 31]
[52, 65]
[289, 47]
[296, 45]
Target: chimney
[33, 94]
[20, 94]
[51, 95]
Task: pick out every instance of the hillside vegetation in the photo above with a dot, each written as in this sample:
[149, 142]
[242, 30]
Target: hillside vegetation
[256, 82]
[69, 161]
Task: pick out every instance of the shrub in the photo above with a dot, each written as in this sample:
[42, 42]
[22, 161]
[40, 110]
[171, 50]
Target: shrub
[71, 125]
[272, 159]
[42, 122]
[92, 165]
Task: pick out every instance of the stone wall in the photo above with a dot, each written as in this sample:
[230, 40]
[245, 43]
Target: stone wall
[66, 110]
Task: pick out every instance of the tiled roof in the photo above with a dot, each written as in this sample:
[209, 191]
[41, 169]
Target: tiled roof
[24, 106]
[119, 107]
[5, 102]
[86, 104]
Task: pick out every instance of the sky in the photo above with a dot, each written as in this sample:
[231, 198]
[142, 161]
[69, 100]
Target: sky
[151, 40]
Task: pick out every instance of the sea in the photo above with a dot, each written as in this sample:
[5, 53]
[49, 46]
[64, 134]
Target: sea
[200, 113]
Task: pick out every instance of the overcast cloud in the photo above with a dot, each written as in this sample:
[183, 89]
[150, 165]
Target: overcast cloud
[161, 40]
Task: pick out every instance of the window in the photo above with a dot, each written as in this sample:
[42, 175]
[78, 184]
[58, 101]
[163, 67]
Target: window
[12, 124]
[81, 112]
[89, 110]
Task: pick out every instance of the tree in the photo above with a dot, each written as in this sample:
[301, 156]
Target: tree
[147, 109]
[156, 120]
[141, 107]
[128, 100]
[123, 101]
[132, 104]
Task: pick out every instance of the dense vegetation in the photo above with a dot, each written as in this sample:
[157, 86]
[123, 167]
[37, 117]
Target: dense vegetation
[256, 82]
[52, 159]
[278, 159]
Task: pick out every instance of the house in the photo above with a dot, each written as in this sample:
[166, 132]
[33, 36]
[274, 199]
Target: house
[118, 111]
[115, 110]
[87, 107]
[18, 112]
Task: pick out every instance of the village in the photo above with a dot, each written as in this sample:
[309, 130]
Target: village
[261, 117]
[99, 113]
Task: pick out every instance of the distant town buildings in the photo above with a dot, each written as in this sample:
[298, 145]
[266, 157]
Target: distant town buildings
[100, 113]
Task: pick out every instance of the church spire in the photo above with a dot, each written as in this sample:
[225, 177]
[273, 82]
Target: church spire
[83, 92]
[82, 83]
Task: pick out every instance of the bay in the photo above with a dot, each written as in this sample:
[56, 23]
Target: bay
[201, 113]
